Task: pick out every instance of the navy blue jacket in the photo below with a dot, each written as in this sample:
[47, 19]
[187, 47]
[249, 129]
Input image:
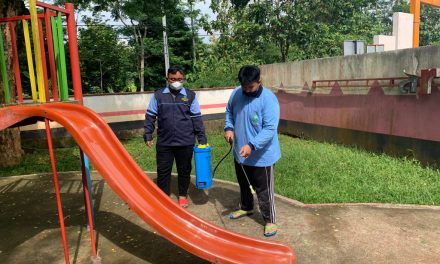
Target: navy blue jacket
[179, 119]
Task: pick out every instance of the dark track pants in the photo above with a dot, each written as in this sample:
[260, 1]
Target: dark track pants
[262, 180]
[165, 157]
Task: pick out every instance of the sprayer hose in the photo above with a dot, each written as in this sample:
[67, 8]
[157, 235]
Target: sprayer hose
[230, 149]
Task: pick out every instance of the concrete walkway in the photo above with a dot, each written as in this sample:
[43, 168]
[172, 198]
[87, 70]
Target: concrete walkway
[360, 233]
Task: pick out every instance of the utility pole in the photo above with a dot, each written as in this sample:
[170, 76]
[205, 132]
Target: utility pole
[165, 44]
[191, 3]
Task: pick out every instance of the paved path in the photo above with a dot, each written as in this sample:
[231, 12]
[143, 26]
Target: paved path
[362, 233]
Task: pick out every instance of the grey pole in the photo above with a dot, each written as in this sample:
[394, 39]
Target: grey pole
[165, 45]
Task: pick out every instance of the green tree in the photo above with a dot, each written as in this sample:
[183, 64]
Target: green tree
[217, 67]
[301, 29]
[197, 20]
[143, 26]
[150, 50]
[325, 25]
[429, 26]
[105, 62]
[142, 16]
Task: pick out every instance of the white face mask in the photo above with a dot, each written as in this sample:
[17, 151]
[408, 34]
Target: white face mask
[176, 85]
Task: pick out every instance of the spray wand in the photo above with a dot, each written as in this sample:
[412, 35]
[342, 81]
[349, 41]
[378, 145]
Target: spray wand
[245, 174]
[224, 157]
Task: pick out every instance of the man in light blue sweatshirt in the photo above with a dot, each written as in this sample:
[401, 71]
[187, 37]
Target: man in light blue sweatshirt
[252, 117]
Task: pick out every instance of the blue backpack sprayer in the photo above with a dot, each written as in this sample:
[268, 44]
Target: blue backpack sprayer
[202, 160]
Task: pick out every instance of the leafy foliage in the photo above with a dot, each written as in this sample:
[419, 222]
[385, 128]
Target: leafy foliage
[143, 28]
[430, 26]
[301, 29]
[105, 62]
[250, 32]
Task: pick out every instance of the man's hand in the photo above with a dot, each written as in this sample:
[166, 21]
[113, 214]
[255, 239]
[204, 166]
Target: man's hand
[245, 151]
[229, 136]
[149, 143]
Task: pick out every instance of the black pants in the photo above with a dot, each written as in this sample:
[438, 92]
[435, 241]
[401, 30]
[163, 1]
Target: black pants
[165, 157]
[261, 179]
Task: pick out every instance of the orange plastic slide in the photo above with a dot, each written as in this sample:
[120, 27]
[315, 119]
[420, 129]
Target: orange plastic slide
[127, 180]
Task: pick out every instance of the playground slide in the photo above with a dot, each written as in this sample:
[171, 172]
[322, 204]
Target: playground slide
[127, 180]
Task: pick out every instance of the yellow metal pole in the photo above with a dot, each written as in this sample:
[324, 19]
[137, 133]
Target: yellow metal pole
[37, 50]
[30, 60]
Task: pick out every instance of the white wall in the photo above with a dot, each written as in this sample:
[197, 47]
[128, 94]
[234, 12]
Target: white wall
[132, 106]
[389, 42]
[403, 24]
[402, 37]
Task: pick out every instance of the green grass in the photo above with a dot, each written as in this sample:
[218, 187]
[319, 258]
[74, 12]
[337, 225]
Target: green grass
[308, 171]
[38, 161]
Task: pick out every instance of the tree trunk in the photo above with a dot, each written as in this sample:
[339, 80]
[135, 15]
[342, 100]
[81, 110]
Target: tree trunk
[10, 143]
[282, 49]
[100, 70]
[10, 147]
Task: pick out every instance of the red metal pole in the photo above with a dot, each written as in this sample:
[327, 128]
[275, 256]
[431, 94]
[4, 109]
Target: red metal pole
[18, 18]
[89, 209]
[43, 60]
[74, 57]
[53, 7]
[53, 72]
[57, 189]
[16, 64]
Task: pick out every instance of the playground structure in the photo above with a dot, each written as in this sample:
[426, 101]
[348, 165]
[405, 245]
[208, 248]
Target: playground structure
[52, 18]
[38, 75]
[98, 143]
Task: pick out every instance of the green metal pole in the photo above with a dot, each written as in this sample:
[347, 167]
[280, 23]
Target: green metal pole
[56, 52]
[64, 91]
[4, 70]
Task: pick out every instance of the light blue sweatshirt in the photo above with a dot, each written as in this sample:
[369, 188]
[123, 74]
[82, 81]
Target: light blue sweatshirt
[254, 120]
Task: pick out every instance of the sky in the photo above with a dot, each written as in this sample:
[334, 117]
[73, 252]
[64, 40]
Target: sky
[204, 7]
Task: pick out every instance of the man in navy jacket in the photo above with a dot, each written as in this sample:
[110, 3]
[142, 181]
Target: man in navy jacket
[179, 122]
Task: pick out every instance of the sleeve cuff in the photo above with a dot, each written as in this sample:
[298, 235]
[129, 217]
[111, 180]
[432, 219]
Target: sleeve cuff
[202, 139]
[229, 129]
[251, 145]
[148, 137]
